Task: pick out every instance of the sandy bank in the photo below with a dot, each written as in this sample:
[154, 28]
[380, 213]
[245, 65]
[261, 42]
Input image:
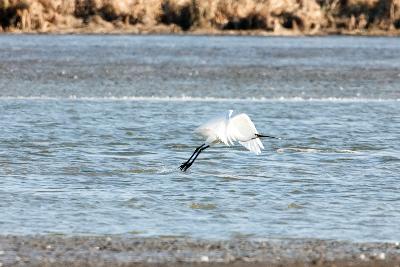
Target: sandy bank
[257, 17]
[171, 251]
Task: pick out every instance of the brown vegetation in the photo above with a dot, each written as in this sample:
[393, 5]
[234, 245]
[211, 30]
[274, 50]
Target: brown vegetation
[202, 16]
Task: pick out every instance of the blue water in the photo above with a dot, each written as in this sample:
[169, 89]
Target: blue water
[94, 128]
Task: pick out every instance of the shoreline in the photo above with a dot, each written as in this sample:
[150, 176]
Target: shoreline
[218, 33]
[213, 17]
[117, 250]
[200, 34]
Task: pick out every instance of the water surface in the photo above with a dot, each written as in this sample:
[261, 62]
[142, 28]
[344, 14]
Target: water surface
[94, 129]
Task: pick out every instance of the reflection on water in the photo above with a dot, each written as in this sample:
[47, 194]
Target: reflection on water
[107, 160]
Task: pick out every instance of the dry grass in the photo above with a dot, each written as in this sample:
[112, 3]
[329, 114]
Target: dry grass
[270, 16]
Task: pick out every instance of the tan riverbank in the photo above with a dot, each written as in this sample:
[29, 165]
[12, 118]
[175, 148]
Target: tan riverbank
[178, 251]
[254, 17]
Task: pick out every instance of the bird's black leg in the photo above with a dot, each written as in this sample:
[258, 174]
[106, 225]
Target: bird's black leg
[187, 162]
[187, 165]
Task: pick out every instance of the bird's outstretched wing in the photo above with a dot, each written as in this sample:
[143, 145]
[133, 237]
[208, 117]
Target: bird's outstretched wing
[214, 130]
[241, 128]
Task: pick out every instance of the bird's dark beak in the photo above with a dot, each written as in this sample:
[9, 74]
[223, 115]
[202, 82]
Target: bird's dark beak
[267, 136]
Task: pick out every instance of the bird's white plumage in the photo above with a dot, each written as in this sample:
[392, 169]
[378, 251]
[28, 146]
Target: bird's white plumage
[227, 129]
[214, 130]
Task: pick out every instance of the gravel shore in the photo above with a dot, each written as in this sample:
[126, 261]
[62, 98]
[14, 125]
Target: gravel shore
[51, 250]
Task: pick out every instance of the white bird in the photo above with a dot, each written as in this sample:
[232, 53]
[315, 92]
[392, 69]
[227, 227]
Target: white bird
[227, 129]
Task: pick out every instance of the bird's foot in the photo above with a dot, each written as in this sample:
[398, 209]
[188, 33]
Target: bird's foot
[184, 166]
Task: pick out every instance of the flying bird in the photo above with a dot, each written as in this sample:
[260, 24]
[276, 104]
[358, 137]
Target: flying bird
[227, 129]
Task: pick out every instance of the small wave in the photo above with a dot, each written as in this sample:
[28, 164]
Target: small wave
[229, 176]
[147, 170]
[198, 99]
[389, 159]
[315, 150]
[347, 151]
[294, 206]
[167, 170]
[297, 149]
[202, 206]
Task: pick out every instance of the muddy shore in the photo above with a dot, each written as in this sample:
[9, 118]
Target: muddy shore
[55, 250]
[245, 17]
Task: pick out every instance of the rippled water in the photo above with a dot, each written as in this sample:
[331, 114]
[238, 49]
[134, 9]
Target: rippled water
[94, 128]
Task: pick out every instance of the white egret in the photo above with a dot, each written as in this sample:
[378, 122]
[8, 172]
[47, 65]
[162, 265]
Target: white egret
[227, 129]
